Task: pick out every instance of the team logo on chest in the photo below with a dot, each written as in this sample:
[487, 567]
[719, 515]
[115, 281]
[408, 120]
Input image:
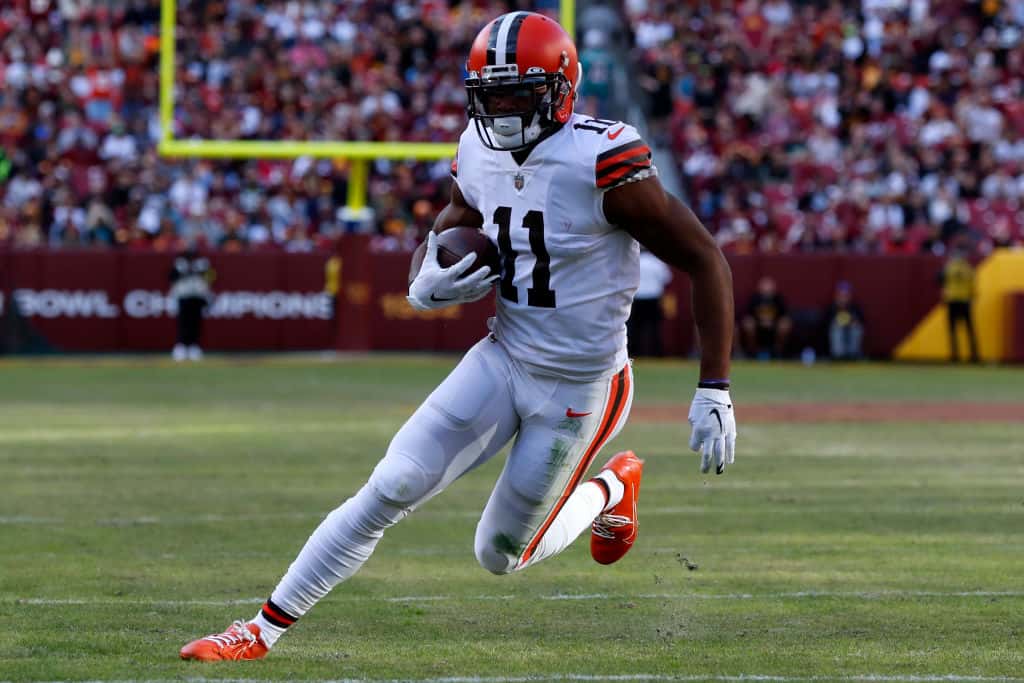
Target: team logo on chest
[518, 181]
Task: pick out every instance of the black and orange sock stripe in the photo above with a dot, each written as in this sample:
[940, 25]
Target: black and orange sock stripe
[276, 616]
[618, 397]
[622, 162]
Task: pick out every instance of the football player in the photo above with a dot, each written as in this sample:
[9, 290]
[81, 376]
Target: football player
[567, 198]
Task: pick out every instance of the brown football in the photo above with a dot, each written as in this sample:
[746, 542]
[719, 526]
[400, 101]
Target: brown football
[453, 244]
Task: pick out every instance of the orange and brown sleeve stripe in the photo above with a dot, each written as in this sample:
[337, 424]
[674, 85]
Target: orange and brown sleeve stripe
[618, 396]
[621, 163]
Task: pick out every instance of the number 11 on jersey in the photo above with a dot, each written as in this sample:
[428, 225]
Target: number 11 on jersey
[540, 295]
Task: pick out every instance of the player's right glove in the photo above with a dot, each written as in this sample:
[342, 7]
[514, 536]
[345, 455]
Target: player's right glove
[714, 428]
[437, 287]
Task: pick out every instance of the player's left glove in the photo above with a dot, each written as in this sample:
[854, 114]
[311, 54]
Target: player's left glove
[714, 428]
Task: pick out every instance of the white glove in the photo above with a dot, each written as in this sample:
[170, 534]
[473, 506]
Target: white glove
[714, 428]
[437, 287]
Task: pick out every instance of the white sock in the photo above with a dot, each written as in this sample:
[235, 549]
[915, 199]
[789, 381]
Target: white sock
[268, 632]
[573, 519]
[616, 489]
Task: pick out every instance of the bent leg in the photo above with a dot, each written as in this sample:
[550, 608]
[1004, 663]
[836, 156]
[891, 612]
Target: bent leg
[539, 506]
[465, 421]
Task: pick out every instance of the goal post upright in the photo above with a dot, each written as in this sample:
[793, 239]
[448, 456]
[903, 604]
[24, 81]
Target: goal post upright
[168, 13]
[567, 17]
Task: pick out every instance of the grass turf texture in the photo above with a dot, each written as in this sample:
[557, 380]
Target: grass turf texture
[140, 498]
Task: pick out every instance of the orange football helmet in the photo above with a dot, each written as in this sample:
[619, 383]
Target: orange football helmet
[523, 79]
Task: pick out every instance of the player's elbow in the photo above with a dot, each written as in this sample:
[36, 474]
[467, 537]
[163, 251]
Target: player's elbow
[716, 259]
[704, 257]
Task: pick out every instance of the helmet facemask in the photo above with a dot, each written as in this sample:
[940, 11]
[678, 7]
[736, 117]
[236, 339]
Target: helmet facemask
[512, 112]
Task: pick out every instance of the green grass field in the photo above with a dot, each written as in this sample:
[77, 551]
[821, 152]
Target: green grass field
[145, 504]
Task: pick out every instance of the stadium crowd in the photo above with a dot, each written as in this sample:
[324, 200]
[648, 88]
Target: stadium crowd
[79, 121]
[889, 126]
[879, 126]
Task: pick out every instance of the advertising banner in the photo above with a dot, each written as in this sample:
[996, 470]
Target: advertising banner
[120, 301]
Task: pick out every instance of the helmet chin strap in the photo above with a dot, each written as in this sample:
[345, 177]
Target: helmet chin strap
[508, 131]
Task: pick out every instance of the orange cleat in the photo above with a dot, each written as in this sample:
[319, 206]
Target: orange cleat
[240, 641]
[614, 531]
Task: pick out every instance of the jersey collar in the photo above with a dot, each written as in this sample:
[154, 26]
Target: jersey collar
[522, 155]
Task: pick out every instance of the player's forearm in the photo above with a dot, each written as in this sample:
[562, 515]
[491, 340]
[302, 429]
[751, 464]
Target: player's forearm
[713, 313]
[711, 278]
[696, 253]
[416, 262]
[457, 212]
[451, 216]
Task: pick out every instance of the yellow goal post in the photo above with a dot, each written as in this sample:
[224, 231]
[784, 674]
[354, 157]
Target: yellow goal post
[358, 153]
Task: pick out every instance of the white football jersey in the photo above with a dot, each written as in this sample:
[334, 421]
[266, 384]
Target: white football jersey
[568, 276]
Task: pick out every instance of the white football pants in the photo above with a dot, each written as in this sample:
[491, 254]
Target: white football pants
[536, 508]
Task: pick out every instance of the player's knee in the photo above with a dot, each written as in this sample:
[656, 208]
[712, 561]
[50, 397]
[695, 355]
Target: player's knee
[496, 552]
[401, 480]
[495, 561]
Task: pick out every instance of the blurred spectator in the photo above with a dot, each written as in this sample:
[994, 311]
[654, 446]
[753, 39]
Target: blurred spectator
[957, 292]
[845, 324]
[190, 278]
[766, 324]
[657, 81]
[597, 75]
[118, 145]
[644, 325]
[332, 288]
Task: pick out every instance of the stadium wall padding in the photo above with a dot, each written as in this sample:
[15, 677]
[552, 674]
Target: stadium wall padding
[1015, 329]
[117, 300]
[893, 292]
[997, 280]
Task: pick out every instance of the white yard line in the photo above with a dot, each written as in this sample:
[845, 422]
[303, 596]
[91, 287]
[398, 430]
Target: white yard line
[30, 519]
[553, 678]
[155, 520]
[16, 520]
[53, 434]
[177, 520]
[860, 595]
[557, 597]
[133, 601]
